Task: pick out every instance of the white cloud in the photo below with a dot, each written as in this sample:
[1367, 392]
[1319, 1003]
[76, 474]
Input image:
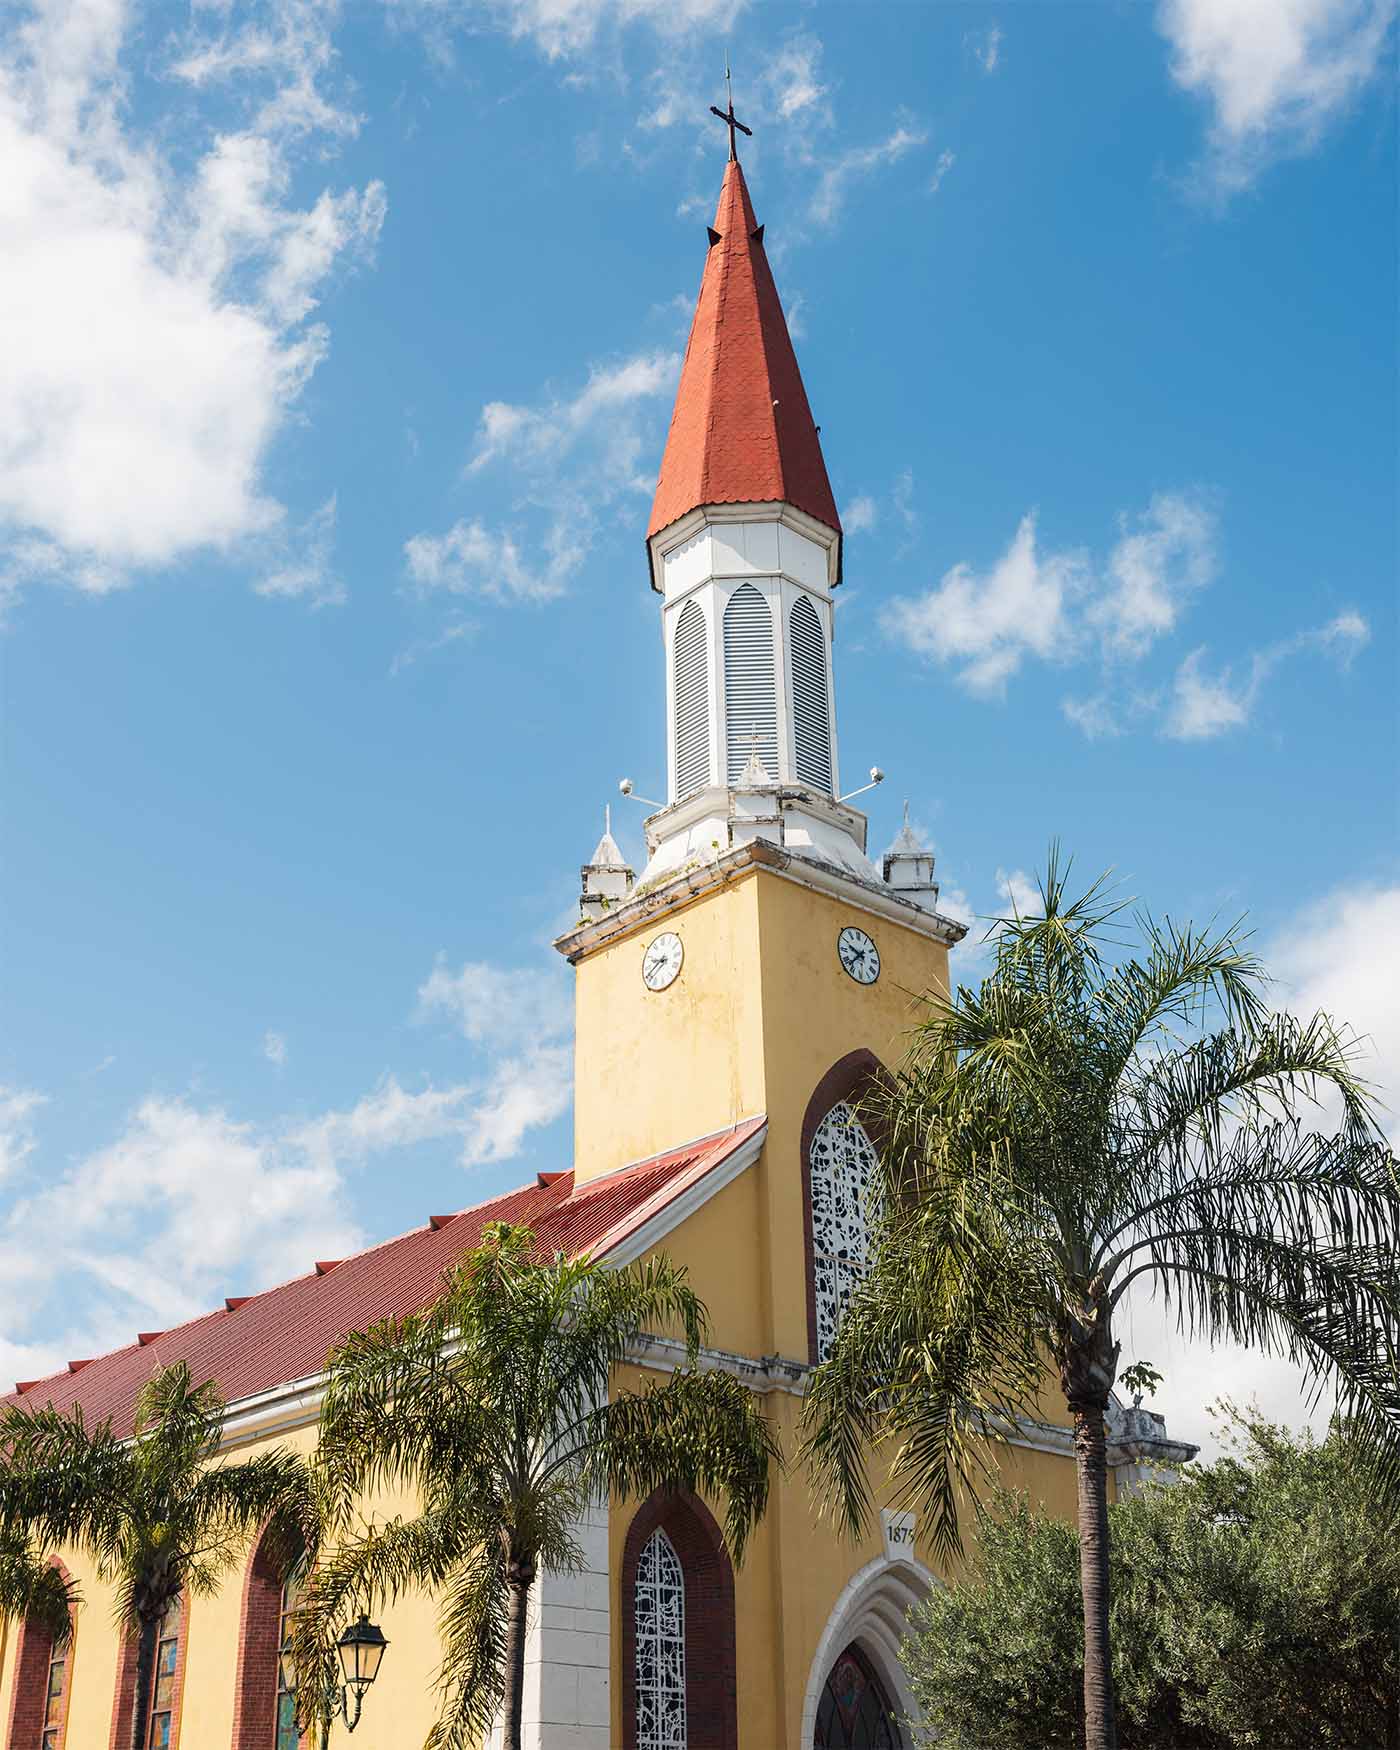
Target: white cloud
[1206, 705]
[1275, 73]
[987, 624]
[154, 319]
[185, 1206]
[1203, 705]
[189, 1203]
[570, 459]
[470, 559]
[946, 161]
[1020, 893]
[1153, 571]
[565, 28]
[854, 165]
[859, 515]
[17, 1109]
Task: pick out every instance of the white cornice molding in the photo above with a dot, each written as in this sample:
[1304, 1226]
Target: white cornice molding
[704, 516]
[691, 884]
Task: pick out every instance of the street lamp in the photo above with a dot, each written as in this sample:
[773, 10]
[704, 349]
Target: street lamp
[360, 1648]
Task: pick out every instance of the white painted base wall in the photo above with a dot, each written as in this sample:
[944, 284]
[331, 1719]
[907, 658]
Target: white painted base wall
[568, 1652]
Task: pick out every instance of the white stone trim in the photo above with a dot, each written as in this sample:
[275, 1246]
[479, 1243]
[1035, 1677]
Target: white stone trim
[871, 1611]
[685, 528]
[691, 883]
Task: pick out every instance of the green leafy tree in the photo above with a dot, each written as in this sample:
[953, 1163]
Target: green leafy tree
[158, 1514]
[497, 1408]
[1256, 1603]
[1079, 1125]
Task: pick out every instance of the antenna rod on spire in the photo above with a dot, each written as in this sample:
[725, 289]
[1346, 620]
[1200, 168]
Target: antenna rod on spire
[728, 117]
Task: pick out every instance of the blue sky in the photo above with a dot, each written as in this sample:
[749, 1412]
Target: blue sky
[346, 345]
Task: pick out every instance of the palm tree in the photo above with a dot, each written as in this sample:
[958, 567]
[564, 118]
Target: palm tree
[1078, 1127]
[497, 1408]
[157, 1513]
[33, 1590]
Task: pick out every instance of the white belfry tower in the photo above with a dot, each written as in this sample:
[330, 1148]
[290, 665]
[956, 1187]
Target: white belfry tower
[745, 548]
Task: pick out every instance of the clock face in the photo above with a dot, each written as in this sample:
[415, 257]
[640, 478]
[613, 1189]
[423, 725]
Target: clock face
[662, 961]
[858, 954]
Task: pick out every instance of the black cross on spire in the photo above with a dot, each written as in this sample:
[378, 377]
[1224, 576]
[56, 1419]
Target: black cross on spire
[728, 118]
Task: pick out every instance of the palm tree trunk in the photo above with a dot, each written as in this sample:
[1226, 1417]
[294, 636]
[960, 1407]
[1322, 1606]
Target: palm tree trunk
[145, 1672]
[520, 1576]
[1091, 1470]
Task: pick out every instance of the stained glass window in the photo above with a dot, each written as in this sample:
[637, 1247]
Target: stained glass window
[288, 1735]
[162, 1728]
[844, 1174]
[660, 1622]
[854, 1713]
[53, 1700]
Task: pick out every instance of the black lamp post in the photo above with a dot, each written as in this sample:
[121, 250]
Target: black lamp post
[360, 1648]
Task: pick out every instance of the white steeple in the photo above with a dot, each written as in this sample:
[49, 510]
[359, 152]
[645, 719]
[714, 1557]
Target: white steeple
[607, 876]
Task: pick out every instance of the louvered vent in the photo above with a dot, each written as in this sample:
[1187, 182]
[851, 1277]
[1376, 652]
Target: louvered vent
[692, 703]
[750, 697]
[811, 711]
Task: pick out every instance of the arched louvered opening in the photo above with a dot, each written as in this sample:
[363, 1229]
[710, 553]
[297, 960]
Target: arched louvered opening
[811, 709]
[750, 697]
[692, 703]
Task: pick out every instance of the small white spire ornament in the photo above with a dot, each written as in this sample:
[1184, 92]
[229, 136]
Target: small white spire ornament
[908, 867]
[607, 876]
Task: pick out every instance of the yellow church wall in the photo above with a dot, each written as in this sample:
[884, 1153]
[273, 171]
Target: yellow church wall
[814, 1014]
[654, 1069]
[720, 1245]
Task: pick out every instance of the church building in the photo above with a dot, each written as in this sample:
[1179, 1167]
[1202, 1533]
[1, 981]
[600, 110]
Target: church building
[733, 1000]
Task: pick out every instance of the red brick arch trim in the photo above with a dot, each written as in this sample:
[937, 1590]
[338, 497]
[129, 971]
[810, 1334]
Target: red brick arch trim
[31, 1684]
[850, 1078]
[259, 1637]
[711, 1691]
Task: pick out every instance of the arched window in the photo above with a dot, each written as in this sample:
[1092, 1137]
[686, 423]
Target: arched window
[692, 702]
[677, 1589]
[811, 705]
[854, 1712]
[844, 1187]
[264, 1700]
[43, 1678]
[659, 1605]
[750, 697]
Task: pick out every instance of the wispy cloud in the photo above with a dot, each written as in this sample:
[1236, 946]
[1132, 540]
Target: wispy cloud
[946, 161]
[1276, 74]
[986, 47]
[846, 168]
[275, 1049]
[304, 568]
[1205, 705]
[570, 459]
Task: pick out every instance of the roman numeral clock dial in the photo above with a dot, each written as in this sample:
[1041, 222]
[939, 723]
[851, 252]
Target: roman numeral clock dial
[662, 961]
[858, 954]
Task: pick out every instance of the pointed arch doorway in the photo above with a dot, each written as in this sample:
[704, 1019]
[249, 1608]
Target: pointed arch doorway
[854, 1712]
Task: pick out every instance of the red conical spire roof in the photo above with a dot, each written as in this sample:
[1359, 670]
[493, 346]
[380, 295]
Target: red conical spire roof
[741, 432]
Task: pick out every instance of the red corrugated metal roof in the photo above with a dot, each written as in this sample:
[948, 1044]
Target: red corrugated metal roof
[255, 1343]
[741, 432]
